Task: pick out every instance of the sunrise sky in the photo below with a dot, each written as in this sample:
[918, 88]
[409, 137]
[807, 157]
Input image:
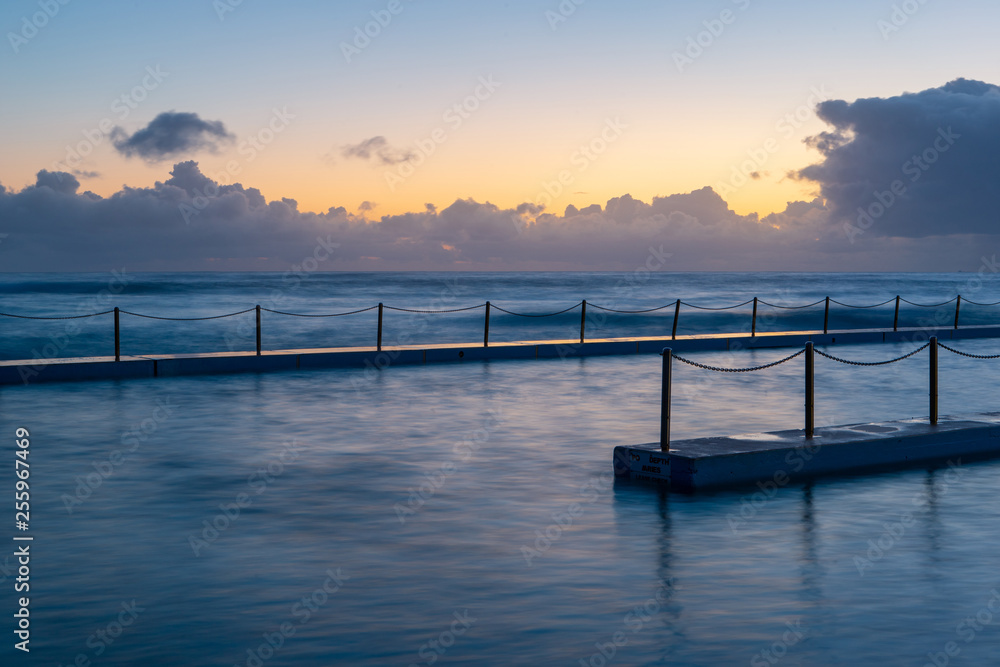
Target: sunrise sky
[615, 98]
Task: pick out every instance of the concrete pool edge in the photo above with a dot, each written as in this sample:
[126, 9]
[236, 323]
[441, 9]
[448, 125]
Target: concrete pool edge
[28, 371]
[780, 458]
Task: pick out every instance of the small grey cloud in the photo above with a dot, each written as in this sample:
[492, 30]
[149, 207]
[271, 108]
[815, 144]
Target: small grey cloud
[377, 148]
[57, 181]
[86, 174]
[367, 206]
[169, 134]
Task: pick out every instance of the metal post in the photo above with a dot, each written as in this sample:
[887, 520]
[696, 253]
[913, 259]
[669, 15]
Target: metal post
[486, 335]
[677, 314]
[895, 320]
[258, 331]
[668, 359]
[118, 347]
[958, 304]
[810, 391]
[934, 380]
[826, 316]
[753, 324]
[583, 320]
[378, 342]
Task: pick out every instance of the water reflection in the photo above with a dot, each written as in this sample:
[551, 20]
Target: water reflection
[811, 568]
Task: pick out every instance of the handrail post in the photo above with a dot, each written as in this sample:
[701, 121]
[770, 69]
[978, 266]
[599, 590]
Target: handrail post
[895, 320]
[677, 314]
[258, 330]
[934, 380]
[753, 324]
[486, 334]
[118, 348]
[668, 359]
[810, 391]
[378, 340]
[583, 320]
[958, 304]
[826, 316]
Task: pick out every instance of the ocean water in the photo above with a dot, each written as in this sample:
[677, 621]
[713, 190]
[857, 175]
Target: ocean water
[199, 295]
[465, 513]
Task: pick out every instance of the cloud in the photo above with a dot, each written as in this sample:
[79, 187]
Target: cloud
[57, 181]
[171, 134]
[916, 165]
[190, 222]
[377, 148]
[367, 206]
[945, 220]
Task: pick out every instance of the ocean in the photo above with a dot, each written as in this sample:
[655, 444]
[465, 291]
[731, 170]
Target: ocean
[466, 513]
[201, 295]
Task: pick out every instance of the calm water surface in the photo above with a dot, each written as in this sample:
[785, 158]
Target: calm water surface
[464, 514]
[329, 468]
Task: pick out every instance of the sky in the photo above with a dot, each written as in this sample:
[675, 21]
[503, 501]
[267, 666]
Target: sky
[545, 135]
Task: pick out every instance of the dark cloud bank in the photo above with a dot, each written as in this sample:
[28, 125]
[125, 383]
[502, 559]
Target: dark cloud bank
[903, 183]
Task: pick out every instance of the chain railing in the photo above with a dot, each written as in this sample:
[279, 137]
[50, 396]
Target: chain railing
[809, 351]
[489, 306]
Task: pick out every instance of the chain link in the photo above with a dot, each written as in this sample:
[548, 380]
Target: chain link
[429, 312]
[69, 317]
[872, 363]
[739, 305]
[187, 319]
[971, 356]
[720, 369]
[632, 312]
[774, 305]
[504, 310]
[353, 312]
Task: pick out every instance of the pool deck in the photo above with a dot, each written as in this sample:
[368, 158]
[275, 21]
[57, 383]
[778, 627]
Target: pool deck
[770, 461]
[22, 372]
